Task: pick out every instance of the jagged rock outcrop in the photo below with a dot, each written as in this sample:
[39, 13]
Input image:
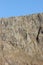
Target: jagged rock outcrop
[21, 40]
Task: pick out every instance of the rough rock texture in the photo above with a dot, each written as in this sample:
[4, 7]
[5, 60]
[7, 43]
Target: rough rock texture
[21, 40]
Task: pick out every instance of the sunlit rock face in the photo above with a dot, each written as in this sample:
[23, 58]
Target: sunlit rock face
[21, 40]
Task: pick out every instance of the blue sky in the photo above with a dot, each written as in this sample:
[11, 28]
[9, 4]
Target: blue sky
[10, 8]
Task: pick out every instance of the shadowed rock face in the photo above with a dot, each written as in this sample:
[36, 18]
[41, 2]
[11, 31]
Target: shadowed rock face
[21, 40]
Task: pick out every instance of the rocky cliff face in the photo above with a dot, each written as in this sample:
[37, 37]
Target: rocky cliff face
[21, 40]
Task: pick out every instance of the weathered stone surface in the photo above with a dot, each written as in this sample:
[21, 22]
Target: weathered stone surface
[21, 40]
